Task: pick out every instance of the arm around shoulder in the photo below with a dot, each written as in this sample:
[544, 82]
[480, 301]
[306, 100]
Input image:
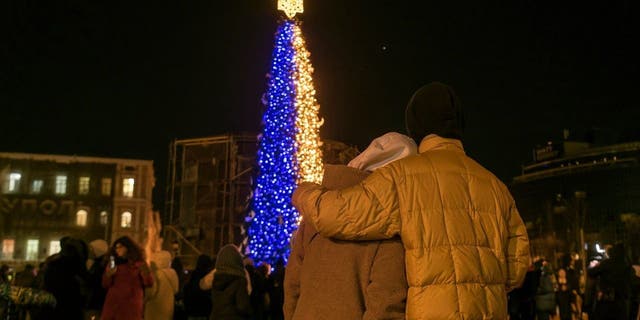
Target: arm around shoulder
[367, 211]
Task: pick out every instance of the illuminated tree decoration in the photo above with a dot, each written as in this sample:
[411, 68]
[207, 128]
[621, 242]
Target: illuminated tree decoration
[289, 146]
[308, 124]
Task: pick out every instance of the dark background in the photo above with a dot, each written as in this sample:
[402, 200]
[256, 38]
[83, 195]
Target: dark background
[124, 78]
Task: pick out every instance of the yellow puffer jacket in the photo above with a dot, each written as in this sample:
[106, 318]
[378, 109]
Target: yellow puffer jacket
[465, 243]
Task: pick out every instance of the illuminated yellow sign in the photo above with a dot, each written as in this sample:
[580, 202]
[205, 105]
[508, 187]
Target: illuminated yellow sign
[291, 7]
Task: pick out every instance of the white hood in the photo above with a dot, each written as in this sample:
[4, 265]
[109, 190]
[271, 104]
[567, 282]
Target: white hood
[387, 148]
[162, 259]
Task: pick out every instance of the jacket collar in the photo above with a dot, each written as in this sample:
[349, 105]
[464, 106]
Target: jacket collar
[435, 142]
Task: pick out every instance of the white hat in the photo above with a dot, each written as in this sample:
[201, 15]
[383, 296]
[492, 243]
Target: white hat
[162, 259]
[387, 148]
[99, 247]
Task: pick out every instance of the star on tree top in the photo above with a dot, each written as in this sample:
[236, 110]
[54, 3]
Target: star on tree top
[291, 7]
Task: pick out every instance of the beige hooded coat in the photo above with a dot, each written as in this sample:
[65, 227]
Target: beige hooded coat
[159, 299]
[333, 279]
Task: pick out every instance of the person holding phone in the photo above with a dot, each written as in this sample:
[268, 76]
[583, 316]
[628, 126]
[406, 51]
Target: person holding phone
[125, 279]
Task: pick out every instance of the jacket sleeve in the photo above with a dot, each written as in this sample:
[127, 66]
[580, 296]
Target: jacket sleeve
[173, 280]
[595, 271]
[152, 291]
[386, 294]
[366, 211]
[145, 274]
[206, 283]
[518, 256]
[107, 281]
[292, 276]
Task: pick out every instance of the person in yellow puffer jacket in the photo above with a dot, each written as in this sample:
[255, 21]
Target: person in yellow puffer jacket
[465, 243]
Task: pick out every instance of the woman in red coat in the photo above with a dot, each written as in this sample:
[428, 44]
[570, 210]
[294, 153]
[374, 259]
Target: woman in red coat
[125, 281]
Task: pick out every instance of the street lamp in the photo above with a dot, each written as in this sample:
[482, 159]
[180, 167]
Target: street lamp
[558, 207]
[580, 197]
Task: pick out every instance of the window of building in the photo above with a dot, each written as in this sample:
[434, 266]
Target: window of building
[14, 182]
[106, 186]
[32, 249]
[83, 185]
[7, 248]
[54, 247]
[125, 219]
[127, 187]
[81, 218]
[104, 218]
[61, 184]
[36, 186]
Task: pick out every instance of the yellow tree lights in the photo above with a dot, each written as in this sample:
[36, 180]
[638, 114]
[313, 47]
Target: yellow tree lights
[308, 124]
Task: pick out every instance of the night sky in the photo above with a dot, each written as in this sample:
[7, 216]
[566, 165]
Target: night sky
[124, 78]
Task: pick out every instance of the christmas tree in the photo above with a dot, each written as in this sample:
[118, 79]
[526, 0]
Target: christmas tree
[289, 146]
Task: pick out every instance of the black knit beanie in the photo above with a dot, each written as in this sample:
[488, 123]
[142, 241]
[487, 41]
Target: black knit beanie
[434, 108]
[229, 261]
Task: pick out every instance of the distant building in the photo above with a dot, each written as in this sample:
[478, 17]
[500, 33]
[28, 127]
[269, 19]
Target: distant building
[572, 185]
[45, 197]
[209, 189]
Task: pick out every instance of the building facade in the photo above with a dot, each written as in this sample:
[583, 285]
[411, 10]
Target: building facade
[46, 197]
[576, 196]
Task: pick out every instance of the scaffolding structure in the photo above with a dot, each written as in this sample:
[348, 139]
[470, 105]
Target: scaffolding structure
[208, 190]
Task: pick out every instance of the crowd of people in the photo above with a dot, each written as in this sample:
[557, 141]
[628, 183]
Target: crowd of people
[97, 281]
[89, 281]
[412, 228]
[370, 283]
[610, 289]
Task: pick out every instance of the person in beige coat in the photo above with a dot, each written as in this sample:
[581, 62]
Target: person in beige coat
[464, 240]
[333, 279]
[159, 299]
